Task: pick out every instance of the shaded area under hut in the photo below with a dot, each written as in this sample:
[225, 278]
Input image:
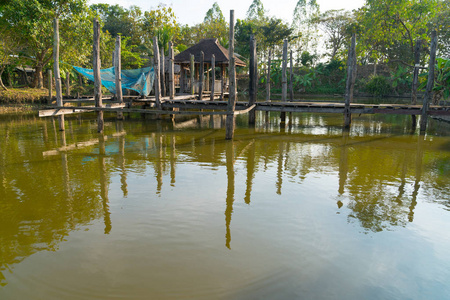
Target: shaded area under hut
[190, 70]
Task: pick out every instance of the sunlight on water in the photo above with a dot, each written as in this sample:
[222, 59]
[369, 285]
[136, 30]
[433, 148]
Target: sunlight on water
[171, 210]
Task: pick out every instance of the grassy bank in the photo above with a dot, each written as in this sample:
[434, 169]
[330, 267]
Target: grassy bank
[19, 100]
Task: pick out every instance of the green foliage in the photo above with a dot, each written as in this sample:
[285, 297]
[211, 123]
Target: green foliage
[378, 86]
[441, 88]
[401, 80]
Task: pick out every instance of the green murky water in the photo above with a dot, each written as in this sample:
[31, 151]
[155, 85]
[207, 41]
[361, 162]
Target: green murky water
[170, 210]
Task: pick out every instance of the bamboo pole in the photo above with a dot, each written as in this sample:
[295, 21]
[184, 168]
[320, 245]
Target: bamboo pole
[213, 76]
[253, 79]
[157, 73]
[97, 78]
[232, 85]
[291, 79]
[171, 72]
[118, 74]
[192, 74]
[415, 82]
[430, 83]
[201, 75]
[269, 61]
[50, 87]
[59, 99]
[351, 72]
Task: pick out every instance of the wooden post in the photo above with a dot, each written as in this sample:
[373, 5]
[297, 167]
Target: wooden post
[269, 61]
[59, 99]
[351, 71]
[171, 72]
[222, 82]
[284, 80]
[182, 78]
[201, 74]
[415, 82]
[50, 86]
[207, 87]
[213, 76]
[157, 73]
[291, 80]
[253, 73]
[192, 74]
[97, 78]
[67, 84]
[118, 74]
[232, 85]
[163, 74]
[430, 83]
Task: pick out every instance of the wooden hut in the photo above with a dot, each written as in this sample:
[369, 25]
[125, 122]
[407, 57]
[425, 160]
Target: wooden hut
[209, 47]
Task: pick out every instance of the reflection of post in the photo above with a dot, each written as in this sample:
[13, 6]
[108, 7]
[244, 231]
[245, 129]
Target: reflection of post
[419, 155]
[230, 191]
[343, 163]
[104, 185]
[280, 168]
[159, 173]
[173, 161]
[250, 172]
[123, 174]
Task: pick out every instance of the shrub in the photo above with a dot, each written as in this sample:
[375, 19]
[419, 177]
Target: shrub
[378, 86]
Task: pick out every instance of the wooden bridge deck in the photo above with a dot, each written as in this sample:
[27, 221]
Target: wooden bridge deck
[184, 104]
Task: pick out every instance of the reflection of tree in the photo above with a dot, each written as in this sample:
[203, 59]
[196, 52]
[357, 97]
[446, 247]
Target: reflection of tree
[40, 203]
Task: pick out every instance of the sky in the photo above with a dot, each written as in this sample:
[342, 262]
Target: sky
[192, 12]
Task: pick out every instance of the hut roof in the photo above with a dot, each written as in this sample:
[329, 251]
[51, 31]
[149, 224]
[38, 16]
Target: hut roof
[209, 47]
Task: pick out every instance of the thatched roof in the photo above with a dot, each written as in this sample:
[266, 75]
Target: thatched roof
[209, 47]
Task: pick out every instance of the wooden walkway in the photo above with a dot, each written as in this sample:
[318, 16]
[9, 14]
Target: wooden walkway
[185, 105]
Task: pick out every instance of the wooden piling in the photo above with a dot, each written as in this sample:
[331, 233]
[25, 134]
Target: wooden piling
[291, 79]
[415, 83]
[157, 73]
[207, 82]
[97, 77]
[163, 73]
[232, 85]
[118, 74]
[430, 84]
[213, 79]
[269, 62]
[253, 73]
[201, 75]
[222, 82]
[59, 98]
[67, 84]
[284, 80]
[351, 72]
[192, 74]
[50, 87]
[171, 72]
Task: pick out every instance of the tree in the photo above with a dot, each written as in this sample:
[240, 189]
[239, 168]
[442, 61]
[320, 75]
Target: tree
[31, 21]
[9, 47]
[305, 12]
[160, 22]
[390, 28]
[334, 24]
[256, 11]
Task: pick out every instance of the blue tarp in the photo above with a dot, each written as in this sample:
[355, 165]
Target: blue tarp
[139, 80]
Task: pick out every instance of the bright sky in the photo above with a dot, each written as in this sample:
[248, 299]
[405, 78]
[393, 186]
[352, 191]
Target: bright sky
[192, 12]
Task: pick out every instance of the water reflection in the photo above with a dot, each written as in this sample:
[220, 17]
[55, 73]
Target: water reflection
[378, 177]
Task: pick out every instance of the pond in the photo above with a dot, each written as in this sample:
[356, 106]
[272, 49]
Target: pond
[168, 209]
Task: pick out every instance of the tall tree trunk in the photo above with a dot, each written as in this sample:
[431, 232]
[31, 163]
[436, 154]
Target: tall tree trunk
[1, 81]
[38, 81]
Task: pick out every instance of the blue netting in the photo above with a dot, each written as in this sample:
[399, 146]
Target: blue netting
[139, 80]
